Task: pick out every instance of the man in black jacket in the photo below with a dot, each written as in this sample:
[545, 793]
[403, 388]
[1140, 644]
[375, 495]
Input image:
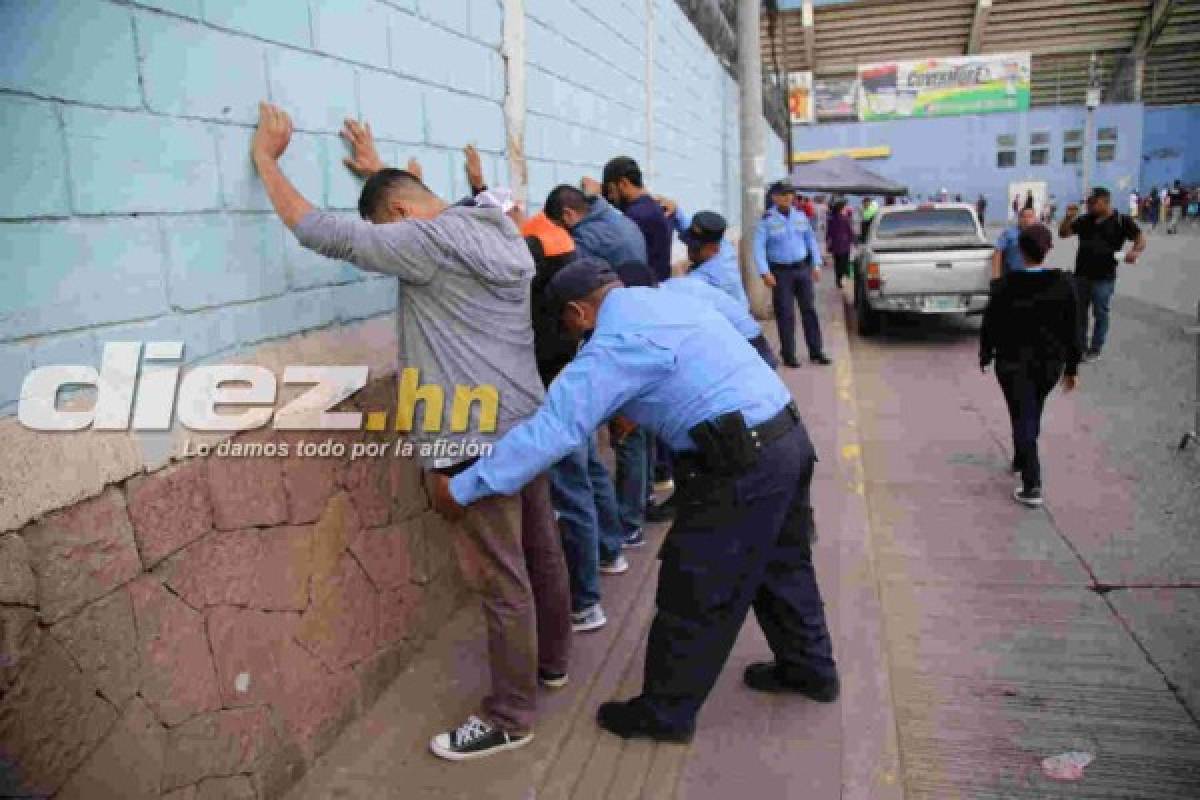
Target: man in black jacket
[1031, 331]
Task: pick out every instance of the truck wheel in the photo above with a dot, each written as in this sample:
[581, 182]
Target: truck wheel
[868, 321]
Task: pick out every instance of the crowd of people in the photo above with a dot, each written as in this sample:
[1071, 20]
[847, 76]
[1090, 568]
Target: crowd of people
[576, 318]
[579, 320]
[1166, 207]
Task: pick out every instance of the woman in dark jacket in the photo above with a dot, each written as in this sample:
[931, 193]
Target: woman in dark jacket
[1030, 330]
[839, 238]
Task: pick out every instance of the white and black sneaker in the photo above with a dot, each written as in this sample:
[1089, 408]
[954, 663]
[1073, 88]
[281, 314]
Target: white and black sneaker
[551, 679]
[475, 739]
[1028, 497]
[589, 619]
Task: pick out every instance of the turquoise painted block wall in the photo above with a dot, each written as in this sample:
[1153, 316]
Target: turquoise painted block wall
[131, 208]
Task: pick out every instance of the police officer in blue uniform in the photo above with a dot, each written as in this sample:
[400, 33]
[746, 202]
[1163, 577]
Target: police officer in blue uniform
[744, 463]
[713, 259]
[789, 260]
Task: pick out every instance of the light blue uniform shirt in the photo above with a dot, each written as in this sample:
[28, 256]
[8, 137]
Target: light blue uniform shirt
[722, 270]
[784, 240]
[737, 314]
[1007, 245]
[666, 366]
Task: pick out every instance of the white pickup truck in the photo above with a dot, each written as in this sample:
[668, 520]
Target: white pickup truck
[924, 259]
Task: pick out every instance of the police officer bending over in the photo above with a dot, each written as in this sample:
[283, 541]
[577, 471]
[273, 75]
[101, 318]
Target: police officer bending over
[744, 462]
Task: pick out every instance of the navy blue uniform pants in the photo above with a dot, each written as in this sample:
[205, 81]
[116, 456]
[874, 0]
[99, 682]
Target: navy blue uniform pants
[794, 286]
[737, 543]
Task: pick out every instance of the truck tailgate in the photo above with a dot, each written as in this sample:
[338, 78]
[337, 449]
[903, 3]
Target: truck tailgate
[957, 271]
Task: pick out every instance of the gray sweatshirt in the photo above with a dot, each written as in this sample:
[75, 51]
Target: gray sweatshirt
[463, 308]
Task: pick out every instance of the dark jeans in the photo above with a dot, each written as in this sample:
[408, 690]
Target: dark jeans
[794, 285]
[736, 543]
[586, 507]
[1097, 296]
[633, 482]
[1025, 387]
[513, 558]
[841, 266]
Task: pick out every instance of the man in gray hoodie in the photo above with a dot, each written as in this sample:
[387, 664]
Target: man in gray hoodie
[464, 321]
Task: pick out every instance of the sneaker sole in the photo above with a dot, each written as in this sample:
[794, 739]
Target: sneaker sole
[1027, 503]
[451, 755]
[587, 627]
[614, 571]
[629, 545]
[556, 683]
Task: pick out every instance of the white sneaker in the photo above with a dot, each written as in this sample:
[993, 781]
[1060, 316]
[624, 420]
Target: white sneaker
[475, 739]
[616, 566]
[590, 619]
[1031, 498]
[664, 486]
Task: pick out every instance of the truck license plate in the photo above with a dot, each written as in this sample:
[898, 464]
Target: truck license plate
[943, 304]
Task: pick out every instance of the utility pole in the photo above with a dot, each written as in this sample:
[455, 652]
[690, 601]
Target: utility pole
[753, 145]
[1089, 130]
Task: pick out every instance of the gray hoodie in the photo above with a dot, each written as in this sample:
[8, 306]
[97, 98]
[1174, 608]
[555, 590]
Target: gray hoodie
[463, 310]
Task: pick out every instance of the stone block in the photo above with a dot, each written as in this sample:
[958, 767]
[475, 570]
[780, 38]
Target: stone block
[384, 555]
[17, 585]
[50, 720]
[35, 170]
[73, 286]
[487, 21]
[398, 609]
[366, 479]
[338, 526]
[266, 569]
[192, 71]
[218, 260]
[220, 743]
[178, 676]
[170, 509]
[19, 635]
[81, 553]
[431, 546]
[45, 54]
[236, 787]
[393, 106]
[406, 486]
[340, 625]
[128, 763]
[103, 641]
[174, 161]
[308, 480]
[246, 492]
[455, 120]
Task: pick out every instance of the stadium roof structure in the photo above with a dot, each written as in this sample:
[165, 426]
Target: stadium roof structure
[1145, 49]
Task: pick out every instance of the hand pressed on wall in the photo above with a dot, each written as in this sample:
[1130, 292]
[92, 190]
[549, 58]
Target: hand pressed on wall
[273, 133]
[364, 159]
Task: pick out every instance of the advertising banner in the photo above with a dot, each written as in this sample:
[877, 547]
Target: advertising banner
[835, 99]
[800, 100]
[938, 87]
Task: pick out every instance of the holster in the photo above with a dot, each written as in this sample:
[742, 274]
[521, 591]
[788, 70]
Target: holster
[724, 444]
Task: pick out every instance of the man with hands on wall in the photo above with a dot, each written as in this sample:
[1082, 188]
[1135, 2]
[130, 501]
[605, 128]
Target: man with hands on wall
[464, 274]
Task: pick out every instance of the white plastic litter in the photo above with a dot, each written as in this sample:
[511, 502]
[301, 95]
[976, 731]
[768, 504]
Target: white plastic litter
[1066, 766]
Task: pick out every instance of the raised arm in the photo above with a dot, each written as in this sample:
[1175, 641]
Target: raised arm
[1067, 227]
[269, 143]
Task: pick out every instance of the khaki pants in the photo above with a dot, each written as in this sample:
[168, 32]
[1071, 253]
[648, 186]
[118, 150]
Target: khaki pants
[516, 565]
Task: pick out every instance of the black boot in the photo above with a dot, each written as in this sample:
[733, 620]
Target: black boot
[633, 720]
[768, 677]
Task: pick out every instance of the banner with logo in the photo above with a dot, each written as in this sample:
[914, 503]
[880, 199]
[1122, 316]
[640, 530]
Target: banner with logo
[800, 105]
[835, 99]
[938, 87]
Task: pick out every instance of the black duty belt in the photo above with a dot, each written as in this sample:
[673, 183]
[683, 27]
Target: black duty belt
[761, 435]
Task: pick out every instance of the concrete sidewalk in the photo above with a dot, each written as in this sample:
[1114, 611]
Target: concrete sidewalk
[747, 744]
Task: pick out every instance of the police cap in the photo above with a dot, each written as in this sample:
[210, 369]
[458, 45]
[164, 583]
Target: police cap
[578, 279]
[706, 227]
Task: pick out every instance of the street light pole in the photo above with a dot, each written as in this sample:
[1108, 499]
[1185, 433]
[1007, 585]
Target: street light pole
[1092, 100]
[753, 143]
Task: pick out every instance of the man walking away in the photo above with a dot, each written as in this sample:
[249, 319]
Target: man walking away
[789, 261]
[1177, 197]
[622, 185]
[981, 209]
[580, 487]
[839, 239]
[1007, 255]
[463, 316]
[1030, 331]
[1102, 233]
[599, 230]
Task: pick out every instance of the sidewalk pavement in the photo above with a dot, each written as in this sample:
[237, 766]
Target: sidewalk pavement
[747, 744]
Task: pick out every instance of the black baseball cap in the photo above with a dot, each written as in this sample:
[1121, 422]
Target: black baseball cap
[706, 227]
[781, 187]
[1099, 191]
[579, 279]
